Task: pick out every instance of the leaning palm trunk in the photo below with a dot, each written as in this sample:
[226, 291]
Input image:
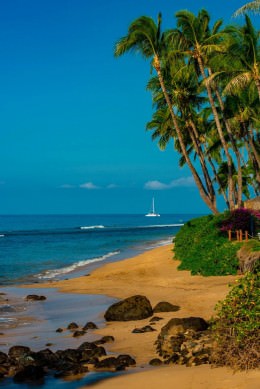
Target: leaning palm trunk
[218, 181]
[235, 148]
[252, 146]
[221, 135]
[257, 82]
[194, 137]
[203, 193]
[255, 158]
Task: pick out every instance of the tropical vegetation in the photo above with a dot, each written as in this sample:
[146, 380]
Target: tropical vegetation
[237, 326]
[204, 250]
[205, 86]
[203, 247]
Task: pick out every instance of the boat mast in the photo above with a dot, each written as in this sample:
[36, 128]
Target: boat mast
[153, 206]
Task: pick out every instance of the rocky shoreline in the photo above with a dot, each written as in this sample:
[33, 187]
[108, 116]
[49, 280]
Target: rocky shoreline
[183, 341]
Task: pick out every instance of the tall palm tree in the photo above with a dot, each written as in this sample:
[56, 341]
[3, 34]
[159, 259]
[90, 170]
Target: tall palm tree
[145, 37]
[198, 41]
[244, 55]
[183, 89]
[238, 72]
[253, 6]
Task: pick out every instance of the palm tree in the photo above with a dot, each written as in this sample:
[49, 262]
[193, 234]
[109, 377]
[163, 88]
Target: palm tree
[244, 54]
[145, 37]
[216, 134]
[253, 6]
[237, 71]
[197, 41]
[183, 89]
[243, 111]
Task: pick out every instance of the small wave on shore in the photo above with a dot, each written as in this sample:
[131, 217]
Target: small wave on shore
[50, 274]
[7, 322]
[91, 227]
[164, 225]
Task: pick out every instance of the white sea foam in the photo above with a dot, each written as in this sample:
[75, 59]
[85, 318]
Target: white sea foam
[91, 227]
[164, 225]
[163, 242]
[58, 272]
[1, 235]
[7, 320]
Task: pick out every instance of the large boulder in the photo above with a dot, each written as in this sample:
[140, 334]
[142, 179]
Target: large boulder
[29, 373]
[180, 325]
[115, 363]
[3, 358]
[35, 297]
[19, 353]
[185, 341]
[132, 308]
[164, 306]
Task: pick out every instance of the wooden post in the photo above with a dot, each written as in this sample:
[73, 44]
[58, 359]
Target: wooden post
[240, 235]
[237, 232]
[246, 235]
[229, 235]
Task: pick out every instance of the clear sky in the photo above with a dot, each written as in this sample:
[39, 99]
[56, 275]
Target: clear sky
[72, 117]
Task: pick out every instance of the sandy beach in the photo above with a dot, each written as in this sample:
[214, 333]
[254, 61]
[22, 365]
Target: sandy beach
[154, 274]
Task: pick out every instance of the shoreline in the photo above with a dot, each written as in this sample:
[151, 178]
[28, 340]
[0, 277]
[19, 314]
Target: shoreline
[154, 274]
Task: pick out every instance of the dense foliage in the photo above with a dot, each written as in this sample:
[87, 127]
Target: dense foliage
[205, 88]
[237, 326]
[202, 248]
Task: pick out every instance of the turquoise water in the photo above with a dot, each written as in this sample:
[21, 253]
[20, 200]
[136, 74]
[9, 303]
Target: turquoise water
[37, 248]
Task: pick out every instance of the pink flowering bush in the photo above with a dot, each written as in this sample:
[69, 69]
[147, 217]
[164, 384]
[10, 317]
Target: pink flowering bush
[241, 219]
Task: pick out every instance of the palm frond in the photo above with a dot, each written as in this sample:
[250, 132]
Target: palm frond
[253, 6]
[237, 83]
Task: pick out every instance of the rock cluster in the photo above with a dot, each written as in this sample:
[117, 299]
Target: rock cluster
[25, 365]
[181, 341]
[75, 328]
[185, 341]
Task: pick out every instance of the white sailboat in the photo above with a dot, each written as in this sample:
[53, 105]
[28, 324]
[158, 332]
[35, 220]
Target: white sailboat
[152, 213]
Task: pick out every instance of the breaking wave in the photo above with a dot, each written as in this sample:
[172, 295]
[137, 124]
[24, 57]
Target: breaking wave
[49, 274]
[91, 227]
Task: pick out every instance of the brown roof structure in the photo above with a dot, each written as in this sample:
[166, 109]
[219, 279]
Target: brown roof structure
[253, 203]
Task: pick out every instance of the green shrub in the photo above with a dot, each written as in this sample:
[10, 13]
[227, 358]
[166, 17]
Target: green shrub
[202, 249]
[237, 326]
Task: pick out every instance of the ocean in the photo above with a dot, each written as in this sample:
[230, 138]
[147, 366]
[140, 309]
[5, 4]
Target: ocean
[41, 248]
[38, 248]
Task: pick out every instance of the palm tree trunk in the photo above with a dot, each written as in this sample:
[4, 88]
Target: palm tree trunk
[255, 153]
[202, 191]
[235, 148]
[218, 181]
[257, 81]
[221, 135]
[194, 137]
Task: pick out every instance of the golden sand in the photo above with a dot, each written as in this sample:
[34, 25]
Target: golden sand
[154, 274]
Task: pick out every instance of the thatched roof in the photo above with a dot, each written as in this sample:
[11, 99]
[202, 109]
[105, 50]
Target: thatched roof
[253, 203]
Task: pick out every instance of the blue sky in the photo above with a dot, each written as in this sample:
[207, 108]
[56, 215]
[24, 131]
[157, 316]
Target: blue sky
[73, 117]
